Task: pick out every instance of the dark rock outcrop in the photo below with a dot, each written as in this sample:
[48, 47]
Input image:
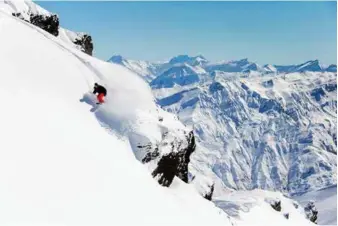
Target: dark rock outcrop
[86, 43]
[317, 93]
[311, 212]
[215, 86]
[19, 15]
[276, 205]
[286, 215]
[175, 163]
[268, 84]
[50, 23]
[47, 23]
[209, 194]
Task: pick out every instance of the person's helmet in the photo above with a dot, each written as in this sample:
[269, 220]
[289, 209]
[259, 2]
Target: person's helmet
[95, 84]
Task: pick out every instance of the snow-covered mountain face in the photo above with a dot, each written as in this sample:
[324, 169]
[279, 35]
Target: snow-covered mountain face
[266, 132]
[144, 69]
[271, 127]
[34, 14]
[67, 161]
[151, 70]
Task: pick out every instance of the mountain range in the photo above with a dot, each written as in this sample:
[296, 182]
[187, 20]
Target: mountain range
[271, 127]
[175, 152]
[151, 70]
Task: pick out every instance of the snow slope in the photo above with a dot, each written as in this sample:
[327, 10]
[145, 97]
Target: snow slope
[326, 203]
[63, 161]
[58, 165]
[247, 206]
[26, 8]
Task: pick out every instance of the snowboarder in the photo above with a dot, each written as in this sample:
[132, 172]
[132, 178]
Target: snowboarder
[101, 93]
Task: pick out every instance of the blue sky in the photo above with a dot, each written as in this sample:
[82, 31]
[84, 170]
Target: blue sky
[264, 32]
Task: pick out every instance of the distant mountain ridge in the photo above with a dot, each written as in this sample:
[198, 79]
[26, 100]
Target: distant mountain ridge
[151, 70]
[257, 126]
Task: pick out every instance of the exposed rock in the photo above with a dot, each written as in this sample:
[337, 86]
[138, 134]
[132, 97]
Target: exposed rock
[286, 215]
[19, 15]
[311, 212]
[176, 162]
[151, 155]
[85, 41]
[215, 87]
[318, 93]
[47, 23]
[276, 205]
[268, 83]
[208, 195]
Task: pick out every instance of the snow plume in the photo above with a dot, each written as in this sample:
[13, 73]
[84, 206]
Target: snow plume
[66, 161]
[58, 166]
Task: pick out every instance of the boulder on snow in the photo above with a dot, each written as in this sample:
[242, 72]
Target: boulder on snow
[311, 212]
[286, 215]
[19, 15]
[175, 163]
[209, 194]
[86, 43]
[276, 205]
[47, 23]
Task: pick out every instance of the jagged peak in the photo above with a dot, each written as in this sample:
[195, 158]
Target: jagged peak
[184, 58]
[116, 59]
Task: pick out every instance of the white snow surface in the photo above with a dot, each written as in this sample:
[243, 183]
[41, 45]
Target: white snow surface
[246, 207]
[58, 165]
[65, 162]
[26, 8]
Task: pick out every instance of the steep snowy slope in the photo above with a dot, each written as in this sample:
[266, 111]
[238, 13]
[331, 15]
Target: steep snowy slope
[326, 203]
[25, 9]
[58, 165]
[246, 206]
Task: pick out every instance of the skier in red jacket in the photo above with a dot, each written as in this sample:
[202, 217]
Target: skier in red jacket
[101, 93]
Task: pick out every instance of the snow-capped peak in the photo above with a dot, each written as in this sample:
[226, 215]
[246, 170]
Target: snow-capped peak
[311, 65]
[196, 60]
[270, 68]
[116, 59]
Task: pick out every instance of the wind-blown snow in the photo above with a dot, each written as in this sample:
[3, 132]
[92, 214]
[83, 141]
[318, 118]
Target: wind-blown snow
[58, 165]
[65, 161]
